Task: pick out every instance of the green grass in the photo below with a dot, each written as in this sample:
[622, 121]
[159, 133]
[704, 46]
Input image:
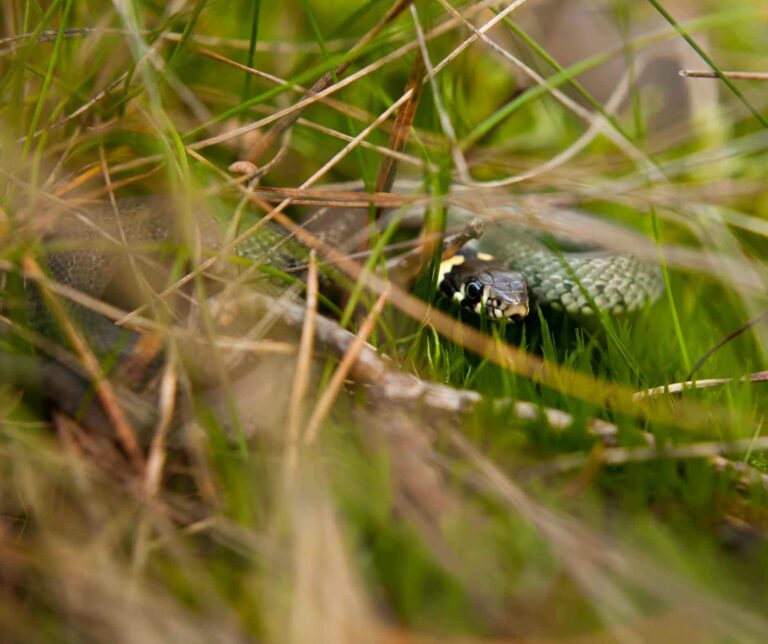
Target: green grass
[480, 525]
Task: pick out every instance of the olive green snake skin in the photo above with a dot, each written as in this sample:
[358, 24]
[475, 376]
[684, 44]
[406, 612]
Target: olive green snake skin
[107, 257]
[90, 253]
[127, 259]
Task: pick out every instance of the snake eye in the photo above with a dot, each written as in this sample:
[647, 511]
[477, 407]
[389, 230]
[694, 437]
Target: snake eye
[473, 290]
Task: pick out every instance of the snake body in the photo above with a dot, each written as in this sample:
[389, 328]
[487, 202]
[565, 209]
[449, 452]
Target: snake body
[123, 258]
[504, 275]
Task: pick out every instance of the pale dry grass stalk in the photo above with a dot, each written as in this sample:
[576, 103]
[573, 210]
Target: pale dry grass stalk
[325, 600]
[330, 393]
[158, 454]
[301, 374]
[561, 158]
[595, 120]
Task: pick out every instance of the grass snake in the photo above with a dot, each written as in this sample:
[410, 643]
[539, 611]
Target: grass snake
[503, 276]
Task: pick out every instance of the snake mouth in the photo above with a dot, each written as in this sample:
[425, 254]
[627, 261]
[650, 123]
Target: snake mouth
[497, 310]
[493, 307]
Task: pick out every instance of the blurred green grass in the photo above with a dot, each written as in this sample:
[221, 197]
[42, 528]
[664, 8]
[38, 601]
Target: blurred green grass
[88, 557]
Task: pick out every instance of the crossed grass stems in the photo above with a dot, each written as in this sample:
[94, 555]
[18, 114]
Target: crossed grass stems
[688, 415]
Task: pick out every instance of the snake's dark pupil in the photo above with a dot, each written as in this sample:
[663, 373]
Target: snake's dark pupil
[473, 290]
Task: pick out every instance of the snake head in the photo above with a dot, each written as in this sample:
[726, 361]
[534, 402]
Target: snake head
[486, 286]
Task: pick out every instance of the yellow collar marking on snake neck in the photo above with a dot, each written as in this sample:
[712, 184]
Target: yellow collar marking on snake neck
[447, 265]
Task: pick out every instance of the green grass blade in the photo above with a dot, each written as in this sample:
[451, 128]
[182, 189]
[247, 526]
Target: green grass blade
[670, 297]
[252, 41]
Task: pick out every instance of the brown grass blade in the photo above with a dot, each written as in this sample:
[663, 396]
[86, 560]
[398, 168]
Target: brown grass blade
[125, 433]
[402, 127]
[325, 81]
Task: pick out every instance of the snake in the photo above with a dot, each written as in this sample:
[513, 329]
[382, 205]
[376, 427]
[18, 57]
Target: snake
[114, 254]
[509, 272]
[503, 276]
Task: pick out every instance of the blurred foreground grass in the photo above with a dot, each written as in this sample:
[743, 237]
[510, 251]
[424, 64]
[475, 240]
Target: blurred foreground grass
[522, 531]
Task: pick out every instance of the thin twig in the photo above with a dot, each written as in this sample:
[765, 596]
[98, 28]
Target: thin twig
[709, 383]
[624, 455]
[705, 73]
[733, 334]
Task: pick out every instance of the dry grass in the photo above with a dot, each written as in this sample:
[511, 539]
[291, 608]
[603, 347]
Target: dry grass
[400, 475]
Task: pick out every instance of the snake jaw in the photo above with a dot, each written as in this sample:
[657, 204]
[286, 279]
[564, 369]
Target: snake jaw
[514, 313]
[496, 309]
